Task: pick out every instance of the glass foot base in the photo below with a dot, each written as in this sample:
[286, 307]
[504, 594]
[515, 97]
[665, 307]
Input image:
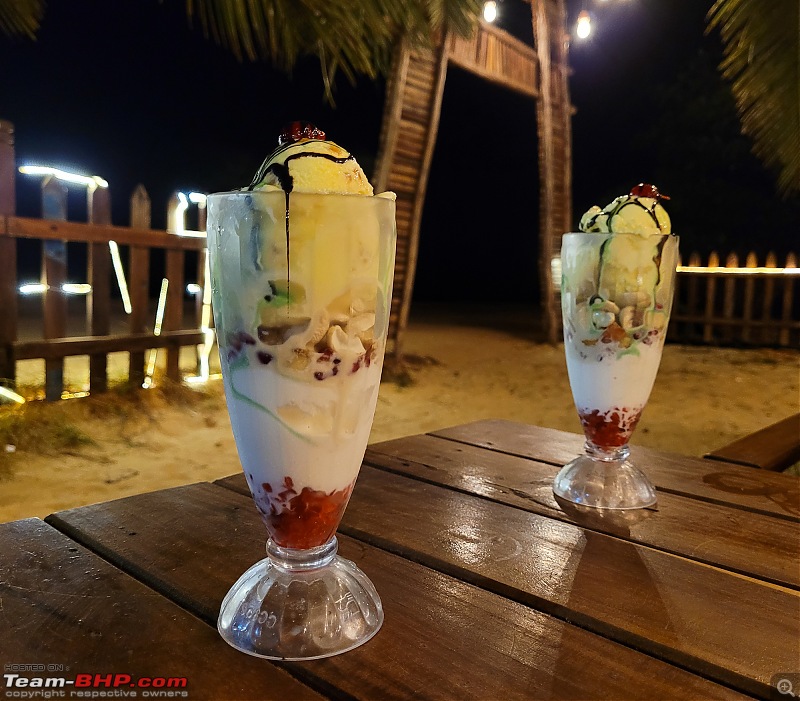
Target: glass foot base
[604, 484]
[300, 605]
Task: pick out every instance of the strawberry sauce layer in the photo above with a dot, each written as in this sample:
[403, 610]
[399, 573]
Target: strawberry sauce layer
[304, 519]
[609, 429]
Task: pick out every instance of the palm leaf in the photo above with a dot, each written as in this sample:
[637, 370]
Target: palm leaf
[762, 60]
[20, 17]
[351, 36]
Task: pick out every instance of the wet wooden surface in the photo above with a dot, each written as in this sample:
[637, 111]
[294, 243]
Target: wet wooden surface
[491, 589]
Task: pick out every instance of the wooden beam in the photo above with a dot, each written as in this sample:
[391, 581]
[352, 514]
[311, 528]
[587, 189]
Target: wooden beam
[8, 255]
[98, 303]
[24, 227]
[419, 196]
[58, 348]
[54, 275]
[139, 283]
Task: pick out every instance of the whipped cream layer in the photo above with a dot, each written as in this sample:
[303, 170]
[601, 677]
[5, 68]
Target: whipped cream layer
[603, 380]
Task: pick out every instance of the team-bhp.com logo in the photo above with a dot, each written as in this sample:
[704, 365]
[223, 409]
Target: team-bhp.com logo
[93, 686]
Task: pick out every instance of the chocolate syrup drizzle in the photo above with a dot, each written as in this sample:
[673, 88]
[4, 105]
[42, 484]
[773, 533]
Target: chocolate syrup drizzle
[632, 202]
[285, 180]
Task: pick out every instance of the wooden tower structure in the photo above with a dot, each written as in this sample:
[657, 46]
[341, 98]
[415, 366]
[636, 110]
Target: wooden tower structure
[410, 125]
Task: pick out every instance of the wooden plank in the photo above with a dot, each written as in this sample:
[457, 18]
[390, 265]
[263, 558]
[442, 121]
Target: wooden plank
[8, 256]
[766, 324]
[723, 483]
[139, 271]
[439, 74]
[64, 606]
[687, 527]
[775, 447]
[23, 227]
[500, 77]
[786, 310]
[87, 345]
[729, 298]
[767, 335]
[173, 316]
[723, 626]
[54, 275]
[441, 639]
[139, 286]
[98, 303]
[711, 291]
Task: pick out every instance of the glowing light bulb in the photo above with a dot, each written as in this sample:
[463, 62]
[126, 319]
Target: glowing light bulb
[490, 11]
[583, 28]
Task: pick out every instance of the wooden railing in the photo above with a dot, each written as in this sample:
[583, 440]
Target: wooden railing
[738, 303]
[135, 243]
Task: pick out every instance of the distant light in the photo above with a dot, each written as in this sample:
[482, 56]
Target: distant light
[74, 395]
[193, 288]
[122, 283]
[201, 379]
[32, 288]
[90, 181]
[162, 305]
[76, 288]
[6, 393]
[490, 11]
[583, 28]
[719, 270]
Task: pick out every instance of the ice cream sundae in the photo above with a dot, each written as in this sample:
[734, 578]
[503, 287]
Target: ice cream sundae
[302, 266]
[616, 297]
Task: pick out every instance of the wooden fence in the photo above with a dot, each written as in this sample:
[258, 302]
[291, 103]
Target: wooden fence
[738, 303]
[731, 304]
[137, 241]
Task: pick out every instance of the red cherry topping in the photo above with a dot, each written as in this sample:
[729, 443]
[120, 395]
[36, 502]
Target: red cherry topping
[645, 190]
[299, 130]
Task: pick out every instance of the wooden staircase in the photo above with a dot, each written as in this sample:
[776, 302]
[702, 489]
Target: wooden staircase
[411, 122]
[408, 136]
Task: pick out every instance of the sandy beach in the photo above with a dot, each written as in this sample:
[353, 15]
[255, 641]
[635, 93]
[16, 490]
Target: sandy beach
[461, 370]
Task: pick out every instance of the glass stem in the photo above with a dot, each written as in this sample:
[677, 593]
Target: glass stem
[299, 560]
[616, 454]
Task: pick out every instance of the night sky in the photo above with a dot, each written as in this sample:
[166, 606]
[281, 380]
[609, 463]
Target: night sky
[129, 91]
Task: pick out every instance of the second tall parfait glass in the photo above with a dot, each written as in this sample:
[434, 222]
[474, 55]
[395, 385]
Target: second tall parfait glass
[616, 297]
[301, 289]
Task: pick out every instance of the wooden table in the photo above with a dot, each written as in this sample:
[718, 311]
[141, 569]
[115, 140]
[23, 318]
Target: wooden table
[491, 591]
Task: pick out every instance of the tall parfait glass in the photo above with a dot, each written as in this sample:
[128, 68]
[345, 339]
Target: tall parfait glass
[301, 288]
[616, 298]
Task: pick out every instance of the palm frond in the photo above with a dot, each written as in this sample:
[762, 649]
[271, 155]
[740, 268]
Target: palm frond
[355, 37]
[762, 60]
[20, 17]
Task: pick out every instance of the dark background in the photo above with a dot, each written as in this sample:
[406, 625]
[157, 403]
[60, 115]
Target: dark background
[128, 90]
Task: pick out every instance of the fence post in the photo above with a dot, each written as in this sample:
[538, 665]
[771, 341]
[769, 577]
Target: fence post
[749, 291]
[201, 263]
[98, 304]
[54, 275]
[691, 292]
[729, 298]
[8, 256]
[204, 318]
[139, 281]
[767, 331]
[173, 317]
[788, 293]
[711, 289]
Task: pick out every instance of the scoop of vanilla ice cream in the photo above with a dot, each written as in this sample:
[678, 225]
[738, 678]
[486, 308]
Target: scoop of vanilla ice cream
[313, 165]
[628, 214]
